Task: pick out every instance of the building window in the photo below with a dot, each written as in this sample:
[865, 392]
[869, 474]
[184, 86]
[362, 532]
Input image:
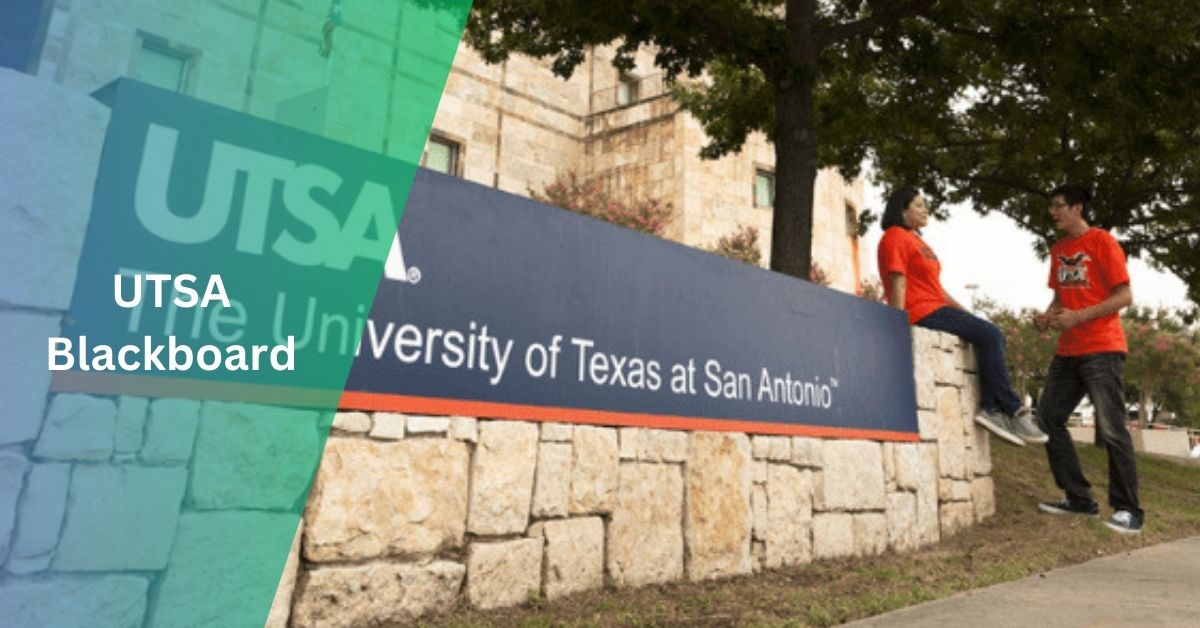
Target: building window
[159, 64]
[441, 154]
[764, 189]
[627, 90]
[851, 221]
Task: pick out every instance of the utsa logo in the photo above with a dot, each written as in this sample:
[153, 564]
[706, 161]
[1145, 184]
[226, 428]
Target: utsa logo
[928, 253]
[1072, 272]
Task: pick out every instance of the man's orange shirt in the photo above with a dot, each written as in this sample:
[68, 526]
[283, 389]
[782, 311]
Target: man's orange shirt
[903, 251]
[1083, 272]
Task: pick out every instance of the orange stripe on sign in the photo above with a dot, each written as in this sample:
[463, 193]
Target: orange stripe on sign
[354, 400]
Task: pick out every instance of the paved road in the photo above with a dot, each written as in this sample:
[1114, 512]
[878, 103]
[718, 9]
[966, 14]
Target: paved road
[1155, 586]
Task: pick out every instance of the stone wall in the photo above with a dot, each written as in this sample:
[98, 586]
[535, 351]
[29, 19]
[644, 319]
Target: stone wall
[410, 514]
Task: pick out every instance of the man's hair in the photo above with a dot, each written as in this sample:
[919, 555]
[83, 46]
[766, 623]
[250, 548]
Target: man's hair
[893, 213]
[1075, 194]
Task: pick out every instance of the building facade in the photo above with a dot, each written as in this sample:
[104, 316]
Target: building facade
[513, 126]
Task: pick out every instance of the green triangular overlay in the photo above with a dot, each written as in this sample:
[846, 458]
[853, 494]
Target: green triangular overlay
[283, 166]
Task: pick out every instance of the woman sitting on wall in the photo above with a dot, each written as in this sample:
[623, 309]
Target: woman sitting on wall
[910, 272]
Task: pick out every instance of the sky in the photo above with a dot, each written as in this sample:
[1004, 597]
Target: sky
[997, 256]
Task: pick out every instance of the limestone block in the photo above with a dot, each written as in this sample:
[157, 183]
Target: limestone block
[504, 573]
[773, 448]
[464, 428]
[833, 535]
[908, 463]
[928, 521]
[889, 463]
[253, 456]
[789, 516]
[170, 431]
[952, 460]
[645, 535]
[13, 467]
[281, 605]
[818, 492]
[574, 556]
[78, 427]
[954, 490]
[983, 497]
[758, 512]
[94, 601]
[354, 423]
[421, 424]
[502, 477]
[760, 471]
[375, 594]
[26, 381]
[595, 470]
[387, 426]
[808, 452]
[131, 423]
[981, 453]
[870, 533]
[39, 519]
[552, 481]
[45, 190]
[853, 475]
[120, 518]
[970, 361]
[925, 383]
[927, 425]
[663, 446]
[380, 499]
[717, 523]
[233, 556]
[558, 432]
[955, 517]
[946, 368]
[970, 405]
[902, 530]
[630, 442]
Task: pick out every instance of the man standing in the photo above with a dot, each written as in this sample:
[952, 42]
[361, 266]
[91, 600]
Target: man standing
[1091, 285]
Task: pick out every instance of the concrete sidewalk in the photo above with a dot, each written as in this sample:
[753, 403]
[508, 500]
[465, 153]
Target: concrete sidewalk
[1154, 586]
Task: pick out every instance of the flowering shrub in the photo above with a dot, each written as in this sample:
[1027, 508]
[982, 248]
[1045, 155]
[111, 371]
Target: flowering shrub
[589, 198]
[871, 289]
[817, 275]
[741, 246]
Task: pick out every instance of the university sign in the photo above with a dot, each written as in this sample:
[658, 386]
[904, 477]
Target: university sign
[486, 304]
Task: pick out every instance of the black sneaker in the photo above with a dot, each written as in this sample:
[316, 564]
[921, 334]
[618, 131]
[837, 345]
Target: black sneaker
[1124, 522]
[1065, 507]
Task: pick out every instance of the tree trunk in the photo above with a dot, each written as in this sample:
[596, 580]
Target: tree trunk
[1144, 410]
[795, 147]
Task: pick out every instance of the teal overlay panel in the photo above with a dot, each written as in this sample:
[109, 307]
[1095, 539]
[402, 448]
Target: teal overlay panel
[171, 496]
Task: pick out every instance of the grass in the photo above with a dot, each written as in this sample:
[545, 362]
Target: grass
[1015, 543]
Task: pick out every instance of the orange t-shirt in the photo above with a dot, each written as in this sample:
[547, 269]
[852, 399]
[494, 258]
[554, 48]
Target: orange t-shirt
[903, 251]
[1083, 272]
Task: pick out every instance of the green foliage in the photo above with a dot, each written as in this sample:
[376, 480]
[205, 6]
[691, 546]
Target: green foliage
[590, 198]
[1162, 369]
[740, 246]
[996, 103]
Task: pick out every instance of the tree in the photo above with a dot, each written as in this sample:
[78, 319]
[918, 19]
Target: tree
[1099, 92]
[777, 66]
[1163, 367]
[1028, 350]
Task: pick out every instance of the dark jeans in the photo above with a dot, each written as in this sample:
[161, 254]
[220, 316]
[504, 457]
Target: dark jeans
[995, 390]
[1099, 377]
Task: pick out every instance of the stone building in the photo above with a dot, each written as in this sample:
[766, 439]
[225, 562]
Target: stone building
[513, 126]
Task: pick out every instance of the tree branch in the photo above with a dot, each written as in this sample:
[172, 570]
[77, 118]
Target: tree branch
[887, 12]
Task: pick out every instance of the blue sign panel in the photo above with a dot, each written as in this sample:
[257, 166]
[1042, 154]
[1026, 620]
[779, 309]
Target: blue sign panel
[495, 305]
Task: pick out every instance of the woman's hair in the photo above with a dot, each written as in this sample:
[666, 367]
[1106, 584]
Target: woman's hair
[893, 214]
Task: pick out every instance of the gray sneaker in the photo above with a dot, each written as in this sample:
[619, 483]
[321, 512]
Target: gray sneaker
[1000, 425]
[1022, 425]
